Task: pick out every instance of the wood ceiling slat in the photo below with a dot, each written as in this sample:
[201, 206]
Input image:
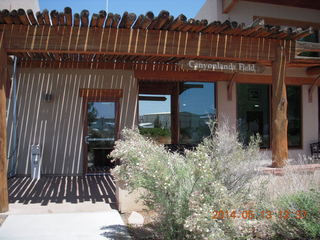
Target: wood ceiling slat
[147, 20]
[46, 17]
[23, 17]
[211, 27]
[68, 16]
[31, 17]
[162, 22]
[168, 23]
[180, 20]
[84, 16]
[195, 26]
[137, 24]
[109, 20]
[163, 17]
[224, 26]
[54, 17]
[15, 17]
[6, 16]
[61, 19]
[1, 18]
[102, 18]
[94, 20]
[203, 25]
[122, 23]
[115, 20]
[130, 20]
[40, 18]
[185, 27]
[76, 20]
[153, 23]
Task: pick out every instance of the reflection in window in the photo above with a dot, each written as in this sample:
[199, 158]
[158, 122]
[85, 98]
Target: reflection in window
[196, 107]
[310, 38]
[253, 112]
[101, 132]
[155, 117]
[101, 120]
[294, 116]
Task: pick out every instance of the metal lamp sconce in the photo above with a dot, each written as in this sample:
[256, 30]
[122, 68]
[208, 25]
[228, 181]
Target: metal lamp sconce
[48, 97]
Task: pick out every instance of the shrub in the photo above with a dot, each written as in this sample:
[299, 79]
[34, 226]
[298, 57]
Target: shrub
[218, 175]
[155, 132]
[299, 226]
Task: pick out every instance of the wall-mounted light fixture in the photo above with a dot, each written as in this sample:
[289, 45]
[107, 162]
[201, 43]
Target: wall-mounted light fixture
[48, 97]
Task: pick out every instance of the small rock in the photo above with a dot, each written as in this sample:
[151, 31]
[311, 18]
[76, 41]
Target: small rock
[136, 219]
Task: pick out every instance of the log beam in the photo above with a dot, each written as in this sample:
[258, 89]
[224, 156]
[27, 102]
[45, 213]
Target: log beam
[279, 110]
[138, 42]
[4, 205]
[230, 85]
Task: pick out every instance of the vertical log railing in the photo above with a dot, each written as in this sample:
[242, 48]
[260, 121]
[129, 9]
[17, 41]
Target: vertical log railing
[4, 206]
[279, 110]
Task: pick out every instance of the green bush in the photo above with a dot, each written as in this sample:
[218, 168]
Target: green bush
[154, 132]
[299, 226]
[185, 190]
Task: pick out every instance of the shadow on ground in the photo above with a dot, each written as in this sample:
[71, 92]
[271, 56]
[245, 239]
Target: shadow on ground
[59, 189]
[117, 232]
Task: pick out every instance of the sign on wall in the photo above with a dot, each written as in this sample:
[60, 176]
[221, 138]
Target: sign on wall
[221, 66]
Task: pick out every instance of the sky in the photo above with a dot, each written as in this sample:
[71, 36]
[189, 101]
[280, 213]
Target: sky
[187, 7]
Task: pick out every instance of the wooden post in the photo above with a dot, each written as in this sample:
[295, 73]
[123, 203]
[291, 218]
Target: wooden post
[4, 205]
[279, 110]
[175, 131]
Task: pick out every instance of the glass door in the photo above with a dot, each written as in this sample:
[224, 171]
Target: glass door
[101, 130]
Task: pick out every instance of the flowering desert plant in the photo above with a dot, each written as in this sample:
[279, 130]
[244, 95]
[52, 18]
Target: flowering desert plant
[185, 189]
[301, 215]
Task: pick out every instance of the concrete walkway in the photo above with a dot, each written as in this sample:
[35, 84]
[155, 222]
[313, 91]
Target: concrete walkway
[65, 226]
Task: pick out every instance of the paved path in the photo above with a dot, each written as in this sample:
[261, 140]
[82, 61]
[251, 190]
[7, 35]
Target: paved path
[65, 226]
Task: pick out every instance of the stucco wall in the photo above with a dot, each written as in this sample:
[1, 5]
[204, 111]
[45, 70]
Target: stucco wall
[16, 4]
[58, 125]
[244, 11]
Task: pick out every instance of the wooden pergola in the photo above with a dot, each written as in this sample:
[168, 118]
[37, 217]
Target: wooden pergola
[151, 46]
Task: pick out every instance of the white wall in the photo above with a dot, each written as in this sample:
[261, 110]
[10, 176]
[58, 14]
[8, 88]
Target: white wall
[208, 11]
[244, 11]
[226, 109]
[16, 4]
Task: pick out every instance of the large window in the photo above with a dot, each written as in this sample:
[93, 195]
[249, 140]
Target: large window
[253, 113]
[176, 113]
[196, 108]
[294, 116]
[155, 117]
